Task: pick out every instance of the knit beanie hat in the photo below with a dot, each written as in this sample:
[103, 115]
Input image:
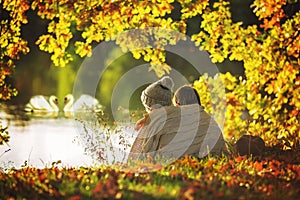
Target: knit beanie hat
[159, 93]
[186, 95]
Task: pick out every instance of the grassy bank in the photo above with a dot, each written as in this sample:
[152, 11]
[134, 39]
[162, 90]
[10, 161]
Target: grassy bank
[276, 175]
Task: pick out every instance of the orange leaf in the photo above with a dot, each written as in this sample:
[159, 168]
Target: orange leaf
[258, 166]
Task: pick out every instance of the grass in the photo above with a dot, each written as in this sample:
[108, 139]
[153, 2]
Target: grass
[276, 175]
[273, 175]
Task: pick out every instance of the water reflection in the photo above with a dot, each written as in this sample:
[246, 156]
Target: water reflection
[42, 141]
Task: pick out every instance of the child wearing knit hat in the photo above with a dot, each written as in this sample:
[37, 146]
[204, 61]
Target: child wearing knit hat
[156, 95]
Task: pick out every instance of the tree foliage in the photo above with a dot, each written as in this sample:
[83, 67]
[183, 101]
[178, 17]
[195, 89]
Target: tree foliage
[269, 92]
[4, 136]
[12, 44]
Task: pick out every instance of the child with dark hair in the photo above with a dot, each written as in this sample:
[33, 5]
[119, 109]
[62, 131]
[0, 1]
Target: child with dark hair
[186, 95]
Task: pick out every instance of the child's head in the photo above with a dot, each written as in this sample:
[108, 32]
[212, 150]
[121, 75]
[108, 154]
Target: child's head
[158, 94]
[186, 95]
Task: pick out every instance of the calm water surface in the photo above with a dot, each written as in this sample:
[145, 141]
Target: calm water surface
[40, 142]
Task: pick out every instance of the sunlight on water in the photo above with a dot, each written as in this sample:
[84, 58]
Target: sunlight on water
[42, 142]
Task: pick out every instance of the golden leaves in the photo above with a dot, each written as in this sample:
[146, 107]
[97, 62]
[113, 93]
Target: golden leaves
[191, 9]
[17, 10]
[270, 11]
[269, 94]
[58, 40]
[12, 45]
[83, 49]
[105, 20]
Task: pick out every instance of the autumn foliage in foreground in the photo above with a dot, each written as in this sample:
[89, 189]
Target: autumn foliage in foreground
[276, 176]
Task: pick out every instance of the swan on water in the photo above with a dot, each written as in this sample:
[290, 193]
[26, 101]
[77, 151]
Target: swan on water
[43, 105]
[83, 103]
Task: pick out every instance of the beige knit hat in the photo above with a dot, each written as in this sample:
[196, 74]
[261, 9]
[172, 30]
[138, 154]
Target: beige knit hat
[186, 95]
[158, 94]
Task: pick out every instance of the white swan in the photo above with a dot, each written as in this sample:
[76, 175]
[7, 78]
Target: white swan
[83, 103]
[43, 106]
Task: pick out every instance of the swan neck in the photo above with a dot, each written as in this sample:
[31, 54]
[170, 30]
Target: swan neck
[53, 105]
[68, 106]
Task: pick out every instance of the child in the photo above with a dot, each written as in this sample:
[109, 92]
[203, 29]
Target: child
[156, 95]
[186, 95]
[174, 131]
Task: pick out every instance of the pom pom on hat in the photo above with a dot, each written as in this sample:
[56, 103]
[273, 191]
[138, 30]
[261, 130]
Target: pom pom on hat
[158, 93]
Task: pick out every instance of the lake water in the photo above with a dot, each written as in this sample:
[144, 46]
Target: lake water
[40, 142]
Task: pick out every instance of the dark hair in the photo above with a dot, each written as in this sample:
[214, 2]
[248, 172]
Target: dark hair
[186, 95]
[197, 96]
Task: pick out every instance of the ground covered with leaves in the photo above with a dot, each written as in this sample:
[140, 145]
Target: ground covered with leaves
[273, 176]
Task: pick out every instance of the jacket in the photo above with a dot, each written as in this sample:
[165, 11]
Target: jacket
[172, 132]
